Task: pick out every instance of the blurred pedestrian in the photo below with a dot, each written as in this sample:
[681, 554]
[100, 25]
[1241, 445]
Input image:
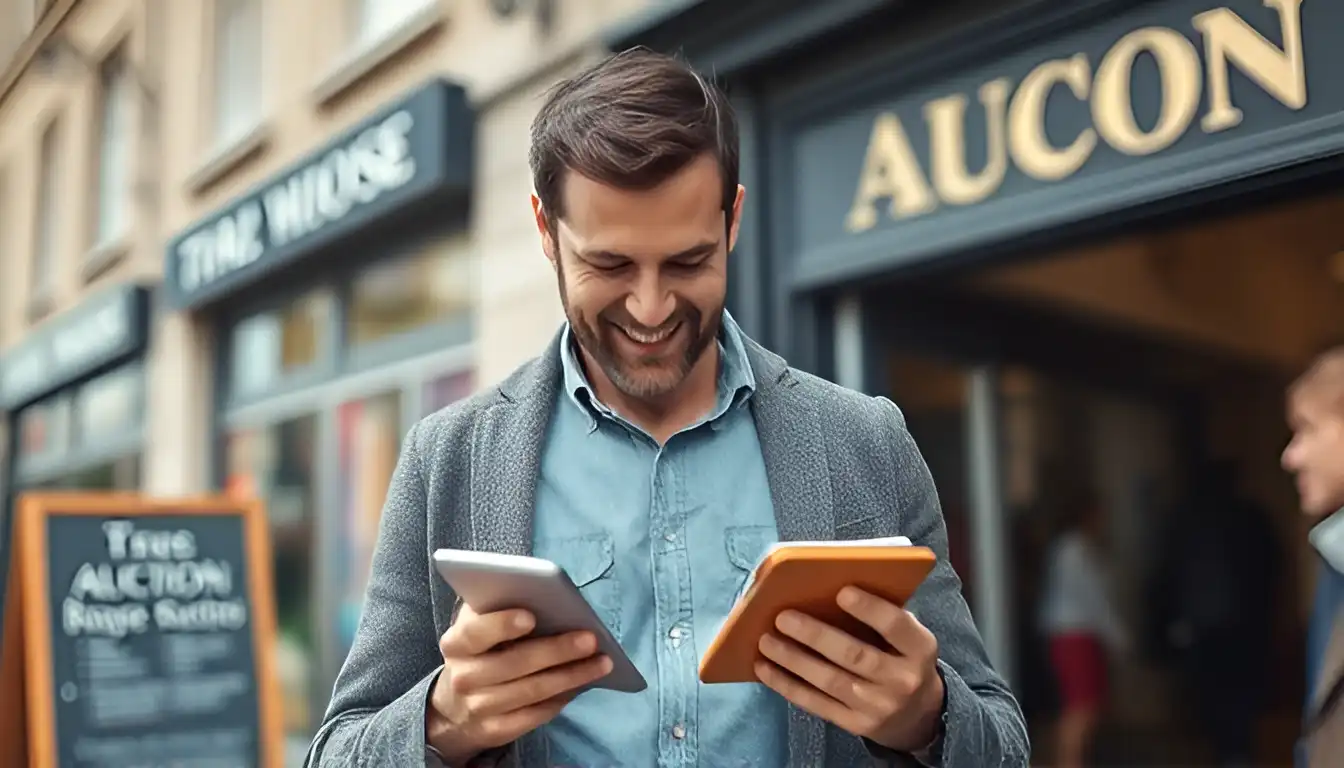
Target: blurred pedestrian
[1081, 624]
[1217, 591]
[1315, 456]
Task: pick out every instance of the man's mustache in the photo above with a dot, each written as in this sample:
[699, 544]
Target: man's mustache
[622, 318]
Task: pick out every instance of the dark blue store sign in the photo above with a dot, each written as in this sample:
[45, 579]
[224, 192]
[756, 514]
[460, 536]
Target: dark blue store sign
[417, 149]
[1153, 101]
[105, 329]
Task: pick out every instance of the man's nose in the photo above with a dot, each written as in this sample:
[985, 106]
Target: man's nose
[1288, 459]
[650, 303]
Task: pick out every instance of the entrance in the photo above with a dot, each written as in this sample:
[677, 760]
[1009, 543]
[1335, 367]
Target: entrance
[1145, 374]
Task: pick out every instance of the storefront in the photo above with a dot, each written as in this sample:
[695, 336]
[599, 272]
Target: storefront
[900, 159]
[75, 394]
[342, 299]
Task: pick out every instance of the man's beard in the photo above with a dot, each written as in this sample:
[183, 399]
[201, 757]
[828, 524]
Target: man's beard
[642, 379]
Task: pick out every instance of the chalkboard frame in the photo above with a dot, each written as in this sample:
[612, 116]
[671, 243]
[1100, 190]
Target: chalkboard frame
[29, 569]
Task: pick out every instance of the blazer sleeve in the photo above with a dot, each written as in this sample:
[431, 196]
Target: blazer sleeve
[377, 712]
[982, 722]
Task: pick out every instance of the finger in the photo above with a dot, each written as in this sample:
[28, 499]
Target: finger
[820, 673]
[807, 698]
[897, 626]
[525, 658]
[836, 645]
[519, 694]
[474, 634]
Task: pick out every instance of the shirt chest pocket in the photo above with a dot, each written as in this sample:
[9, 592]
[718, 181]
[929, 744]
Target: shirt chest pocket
[746, 545]
[591, 564]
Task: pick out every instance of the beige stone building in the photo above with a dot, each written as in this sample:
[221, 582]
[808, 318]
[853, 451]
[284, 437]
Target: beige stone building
[244, 244]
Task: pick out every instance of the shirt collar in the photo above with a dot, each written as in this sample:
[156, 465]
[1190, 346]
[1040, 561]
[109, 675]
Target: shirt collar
[736, 381]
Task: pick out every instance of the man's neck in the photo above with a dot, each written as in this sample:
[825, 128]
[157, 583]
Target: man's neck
[667, 415]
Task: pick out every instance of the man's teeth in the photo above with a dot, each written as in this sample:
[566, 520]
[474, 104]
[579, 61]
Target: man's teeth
[649, 338]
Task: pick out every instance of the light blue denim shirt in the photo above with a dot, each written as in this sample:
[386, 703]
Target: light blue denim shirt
[660, 541]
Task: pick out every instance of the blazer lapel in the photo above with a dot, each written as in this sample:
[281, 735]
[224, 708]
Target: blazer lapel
[506, 446]
[794, 448]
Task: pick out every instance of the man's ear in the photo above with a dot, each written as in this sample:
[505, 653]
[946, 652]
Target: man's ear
[737, 217]
[547, 240]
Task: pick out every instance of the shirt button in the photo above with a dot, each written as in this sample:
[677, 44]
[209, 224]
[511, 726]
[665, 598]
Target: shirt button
[678, 732]
[674, 633]
[670, 536]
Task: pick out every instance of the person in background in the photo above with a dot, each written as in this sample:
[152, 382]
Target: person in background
[1081, 624]
[1315, 457]
[1217, 592]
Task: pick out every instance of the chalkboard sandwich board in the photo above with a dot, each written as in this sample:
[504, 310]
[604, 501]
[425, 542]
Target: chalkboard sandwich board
[139, 633]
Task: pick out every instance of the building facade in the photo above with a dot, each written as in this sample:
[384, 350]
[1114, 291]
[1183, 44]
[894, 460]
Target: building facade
[78, 120]
[246, 244]
[1084, 246]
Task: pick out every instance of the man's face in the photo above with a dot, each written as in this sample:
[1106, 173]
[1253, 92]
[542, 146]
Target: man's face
[1315, 455]
[643, 274]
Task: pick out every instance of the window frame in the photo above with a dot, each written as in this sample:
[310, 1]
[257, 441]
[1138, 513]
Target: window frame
[224, 80]
[359, 13]
[116, 91]
[44, 260]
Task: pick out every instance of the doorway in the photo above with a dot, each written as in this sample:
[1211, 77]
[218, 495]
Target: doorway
[1132, 368]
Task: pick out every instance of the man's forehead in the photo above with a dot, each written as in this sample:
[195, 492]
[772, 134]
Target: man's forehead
[692, 193]
[635, 241]
[1319, 394]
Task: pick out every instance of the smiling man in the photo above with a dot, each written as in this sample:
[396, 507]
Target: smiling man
[655, 452]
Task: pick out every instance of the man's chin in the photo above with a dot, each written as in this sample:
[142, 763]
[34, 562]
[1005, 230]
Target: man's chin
[646, 384]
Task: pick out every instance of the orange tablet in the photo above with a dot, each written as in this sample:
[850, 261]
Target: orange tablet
[807, 578]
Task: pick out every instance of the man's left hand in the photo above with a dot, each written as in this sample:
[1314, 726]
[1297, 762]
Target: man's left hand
[892, 696]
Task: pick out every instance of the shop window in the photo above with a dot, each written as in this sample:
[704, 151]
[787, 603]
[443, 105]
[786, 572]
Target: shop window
[269, 346]
[109, 407]
[370, 440]
[44, 430]
[428, 286]
[276, 463]
[119, 474]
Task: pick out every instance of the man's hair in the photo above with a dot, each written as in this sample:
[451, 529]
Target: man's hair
[632, 122]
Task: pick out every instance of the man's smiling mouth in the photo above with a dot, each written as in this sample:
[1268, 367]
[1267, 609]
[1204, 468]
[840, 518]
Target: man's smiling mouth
[650, 337]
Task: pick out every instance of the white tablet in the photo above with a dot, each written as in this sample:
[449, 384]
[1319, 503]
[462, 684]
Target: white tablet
[491, 582]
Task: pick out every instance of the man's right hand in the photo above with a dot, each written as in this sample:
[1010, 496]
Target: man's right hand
[490, 693]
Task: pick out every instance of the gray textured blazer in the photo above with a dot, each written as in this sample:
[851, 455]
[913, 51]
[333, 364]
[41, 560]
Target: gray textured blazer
[841, 465]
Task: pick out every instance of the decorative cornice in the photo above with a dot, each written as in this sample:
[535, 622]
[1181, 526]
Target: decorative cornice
[52, 16]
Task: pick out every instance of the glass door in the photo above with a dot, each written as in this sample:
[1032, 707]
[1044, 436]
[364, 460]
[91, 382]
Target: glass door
[933, 396]
[955, 414]
[277, 462]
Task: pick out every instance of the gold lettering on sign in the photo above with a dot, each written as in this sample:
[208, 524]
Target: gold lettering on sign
[1015, 119]
[1112, 102]
[1031, 150]
[947, 135]
[890, 170]
[1281, 72]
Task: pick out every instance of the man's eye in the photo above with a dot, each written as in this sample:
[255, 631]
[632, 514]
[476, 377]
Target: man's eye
[610, 267]
[688, 266]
